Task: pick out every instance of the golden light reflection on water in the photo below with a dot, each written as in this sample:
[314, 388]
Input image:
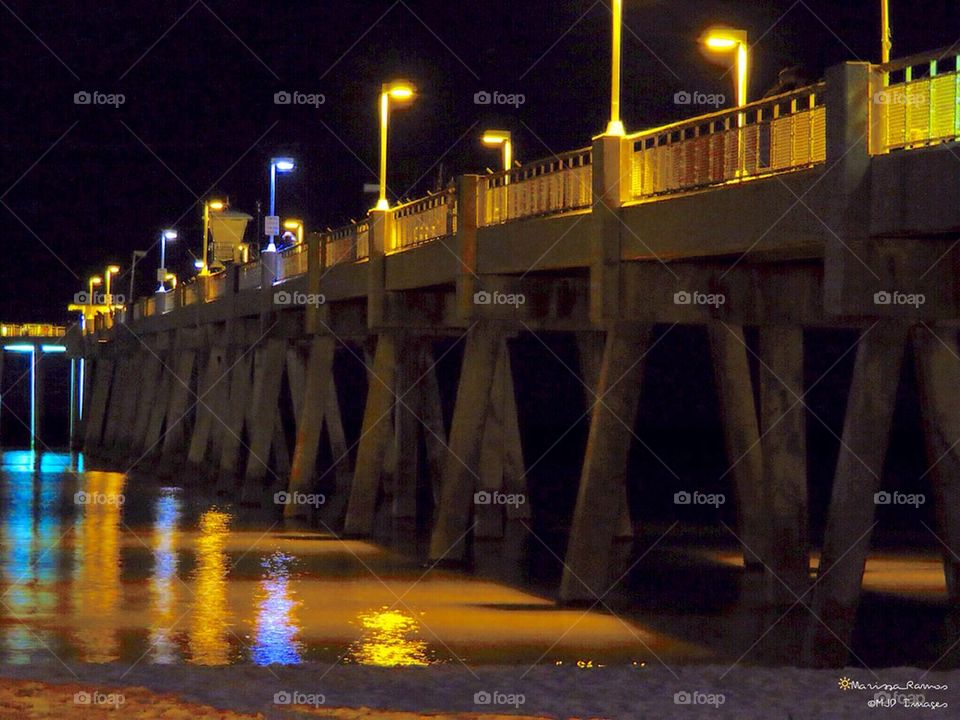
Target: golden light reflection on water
[209, 644]
[389, 640]
[277, 624]
[96, 591]
[163, 582]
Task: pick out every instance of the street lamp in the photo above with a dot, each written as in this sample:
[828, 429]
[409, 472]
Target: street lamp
[111, 270]
[94, 281]
[885, 43]
[615, 127]
[277, 165]
[216, 206]
[162, 270]
[727, 40]
[504, 140]
[400, 92]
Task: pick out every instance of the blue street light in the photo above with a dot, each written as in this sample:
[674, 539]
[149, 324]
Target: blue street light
[277, 165]
[162, 270]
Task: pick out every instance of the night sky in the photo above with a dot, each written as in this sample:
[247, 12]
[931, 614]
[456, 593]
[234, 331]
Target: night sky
[85, 185]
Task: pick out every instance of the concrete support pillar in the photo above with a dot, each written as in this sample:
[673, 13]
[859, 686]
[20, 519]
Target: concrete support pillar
[209, 387]
[132, 387]
[590, 346]
[850, 521]
[466, 244]
[460, 471]
[178, 409]
[375, 436]
[938, 381]
[310, 419]
[604, 474]
[264, 410]
[114, 412]
[232, 432]
[98, 403]
[146, 402]
[784, 433]
[407, 432]
[741, 436]
[431, 415]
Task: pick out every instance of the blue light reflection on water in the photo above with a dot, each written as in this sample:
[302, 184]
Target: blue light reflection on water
[276, 626]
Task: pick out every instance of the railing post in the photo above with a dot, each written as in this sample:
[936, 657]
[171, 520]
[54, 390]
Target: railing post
[611, 188]
[848, 99]
[467, 201]
[316, 244]
[381, 231]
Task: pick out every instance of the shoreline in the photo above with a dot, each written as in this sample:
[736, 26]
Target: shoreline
[627, 693]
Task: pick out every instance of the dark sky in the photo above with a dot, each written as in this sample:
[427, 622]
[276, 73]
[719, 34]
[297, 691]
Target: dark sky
[91, 184]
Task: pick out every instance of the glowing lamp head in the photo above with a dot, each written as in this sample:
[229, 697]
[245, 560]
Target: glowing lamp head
[495, 138]
[283, 165]
[198, 264]
[724, 39]
[113, 269]
[169, 234]
[96, 280]
[400, 90]
[216, 205]
[292, 224]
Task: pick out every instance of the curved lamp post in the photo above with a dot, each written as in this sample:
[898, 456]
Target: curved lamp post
[162, 270]
[216, 206]
[504, 140]
[399, 92]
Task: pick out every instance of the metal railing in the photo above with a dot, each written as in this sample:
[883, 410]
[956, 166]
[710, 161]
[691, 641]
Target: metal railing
[423, 220]
[559, 184]
[32, 330]
[293, 261]
[919, 101]
[776, 134]
[346, 244]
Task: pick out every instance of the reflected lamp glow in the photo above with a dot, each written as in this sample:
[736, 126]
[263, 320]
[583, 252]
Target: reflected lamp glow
[276, 625]
[208, 631]
[400, 93]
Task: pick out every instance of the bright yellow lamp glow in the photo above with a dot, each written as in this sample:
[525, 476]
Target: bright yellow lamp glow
[615, 127]
[504, 140]
[216, 206]
[111, 270]
[724, 40]
[400, 91]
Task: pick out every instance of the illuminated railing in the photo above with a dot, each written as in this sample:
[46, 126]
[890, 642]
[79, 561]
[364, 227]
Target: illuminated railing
[31, 330]
[167, 302]
[780, 133]
[423, 220]
[917, 104]
[150, 307]
[250, 275]
[347, 244]
[293, 261]
[555, 185]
